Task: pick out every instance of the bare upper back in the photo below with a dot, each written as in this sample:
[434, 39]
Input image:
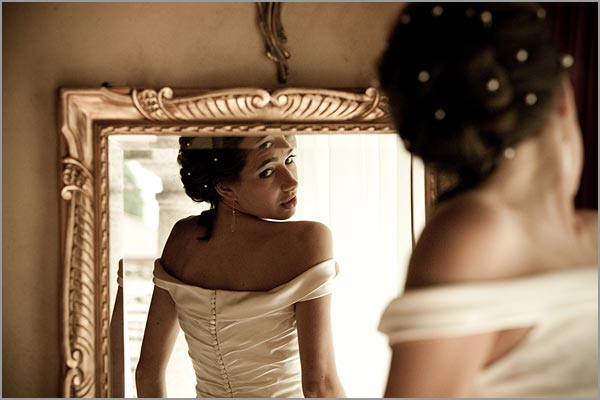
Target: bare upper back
[259, 257]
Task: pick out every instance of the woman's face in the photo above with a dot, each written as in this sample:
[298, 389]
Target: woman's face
[269, 181]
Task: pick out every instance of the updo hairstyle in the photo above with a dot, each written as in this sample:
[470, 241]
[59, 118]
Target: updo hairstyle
[206, 161]
[468, 80]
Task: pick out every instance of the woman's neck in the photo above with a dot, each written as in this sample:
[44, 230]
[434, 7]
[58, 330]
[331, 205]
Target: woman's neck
[229, 220]
[533, 182]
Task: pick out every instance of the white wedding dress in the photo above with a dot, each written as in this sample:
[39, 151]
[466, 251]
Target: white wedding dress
[557, 358]
[244, 343]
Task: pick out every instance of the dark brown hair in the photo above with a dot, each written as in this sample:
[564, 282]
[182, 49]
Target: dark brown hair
[467, 80]
[206, 161]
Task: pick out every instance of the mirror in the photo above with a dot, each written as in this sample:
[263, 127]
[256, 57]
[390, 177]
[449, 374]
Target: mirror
[354, 176]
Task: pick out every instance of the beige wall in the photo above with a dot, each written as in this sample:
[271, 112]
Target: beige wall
[50, 45]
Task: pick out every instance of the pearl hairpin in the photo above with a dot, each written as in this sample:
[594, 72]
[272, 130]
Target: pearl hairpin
[530, 99]
[492, 85]
[437, 11]
[469, 12]
[215, 159]
[439, 114]
[541, 13]
[566, 61]
[405, 18]
[509, 153]
[486, 17]
[522, 55]
[423, 76]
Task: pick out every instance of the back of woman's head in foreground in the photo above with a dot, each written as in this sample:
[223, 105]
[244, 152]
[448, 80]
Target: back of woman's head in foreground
[466, 81]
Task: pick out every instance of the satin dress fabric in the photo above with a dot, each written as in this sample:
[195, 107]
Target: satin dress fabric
[557, 358]
[244, 343]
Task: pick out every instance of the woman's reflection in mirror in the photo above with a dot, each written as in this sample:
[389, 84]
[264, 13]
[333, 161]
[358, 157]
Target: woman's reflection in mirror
[501, 294]
[251, 291]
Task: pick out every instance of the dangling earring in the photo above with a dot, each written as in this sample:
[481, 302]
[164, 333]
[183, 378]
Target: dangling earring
[233, 212]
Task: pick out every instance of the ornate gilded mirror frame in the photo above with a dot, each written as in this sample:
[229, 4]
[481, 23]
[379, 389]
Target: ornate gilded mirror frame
[87, 117]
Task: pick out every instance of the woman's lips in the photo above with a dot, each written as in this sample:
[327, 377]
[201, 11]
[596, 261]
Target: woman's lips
[290, 203]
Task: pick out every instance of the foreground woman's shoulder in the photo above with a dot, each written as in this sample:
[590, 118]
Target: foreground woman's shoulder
[467, 240]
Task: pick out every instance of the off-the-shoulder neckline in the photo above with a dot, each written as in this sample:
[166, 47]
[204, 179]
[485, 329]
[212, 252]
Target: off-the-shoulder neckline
[273, 290]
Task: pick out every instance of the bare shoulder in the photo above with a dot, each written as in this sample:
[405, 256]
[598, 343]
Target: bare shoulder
[310, 230]
[182, 229]
[308, 242]
[183, 226]
[314, 229]
[467, 239]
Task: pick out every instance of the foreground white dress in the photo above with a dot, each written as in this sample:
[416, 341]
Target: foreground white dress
[244, 343]
[557, 358]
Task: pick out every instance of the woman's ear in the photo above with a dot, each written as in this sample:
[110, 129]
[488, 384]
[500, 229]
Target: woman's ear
[226, 191]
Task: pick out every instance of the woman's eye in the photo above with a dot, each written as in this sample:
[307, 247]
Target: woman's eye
[266, 145]
[266, 173]
[290, 159]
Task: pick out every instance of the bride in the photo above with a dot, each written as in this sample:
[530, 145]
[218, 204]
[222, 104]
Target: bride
[251, 293]
[501, 297]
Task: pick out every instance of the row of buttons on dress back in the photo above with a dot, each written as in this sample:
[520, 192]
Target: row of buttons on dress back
[213, 332]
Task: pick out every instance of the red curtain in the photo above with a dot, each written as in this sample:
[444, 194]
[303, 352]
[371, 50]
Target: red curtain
[576, 32]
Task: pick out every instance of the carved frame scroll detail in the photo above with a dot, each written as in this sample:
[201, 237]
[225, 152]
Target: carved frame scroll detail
[259, 104]
[271, 28]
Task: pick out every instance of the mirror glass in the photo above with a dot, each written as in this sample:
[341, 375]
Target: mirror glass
[359, 185]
